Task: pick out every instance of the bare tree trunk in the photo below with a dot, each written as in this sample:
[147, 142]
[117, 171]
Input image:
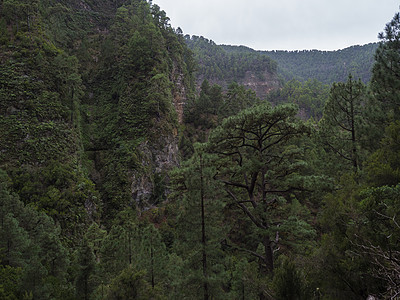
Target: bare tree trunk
[269, 255]
[353, 139]
[152, 266]
[203, 233]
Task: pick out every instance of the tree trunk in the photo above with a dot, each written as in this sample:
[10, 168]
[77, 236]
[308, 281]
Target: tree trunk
[353, 139]
[152, 267]
[269, 255]
[203, 233]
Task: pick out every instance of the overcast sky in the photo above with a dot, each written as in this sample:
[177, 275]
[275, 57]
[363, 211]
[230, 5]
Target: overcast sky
[282, 24]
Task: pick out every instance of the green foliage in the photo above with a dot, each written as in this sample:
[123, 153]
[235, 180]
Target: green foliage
[310, 96]
[85, 264]
[133, 94]
[237, 98]
[210, 108]
[200, 228]
[383, 166]
[218, 64]
[31, 250]
[38, 111]
[385, 82]
[10, 278]
[343, 123]
[288, 282]
[91, 91]
[59, 191]
[131, 285]
[380, 235]
[325, 66]
[260, 166]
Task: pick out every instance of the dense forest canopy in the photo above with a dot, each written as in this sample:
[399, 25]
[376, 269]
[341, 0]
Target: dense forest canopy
[216, 63]
[229, 63]
[137, 163]
[326, 66]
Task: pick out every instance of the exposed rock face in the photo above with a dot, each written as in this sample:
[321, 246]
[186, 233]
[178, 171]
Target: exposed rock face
[178, 92]
[158, 157]
[263, 84]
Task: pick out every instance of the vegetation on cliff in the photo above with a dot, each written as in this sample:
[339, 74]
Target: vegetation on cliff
[120, 180]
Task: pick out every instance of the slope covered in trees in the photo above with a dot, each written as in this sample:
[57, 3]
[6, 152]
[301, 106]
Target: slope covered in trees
[326, 66]
[119, 181]
[222, 67]
[258, 70]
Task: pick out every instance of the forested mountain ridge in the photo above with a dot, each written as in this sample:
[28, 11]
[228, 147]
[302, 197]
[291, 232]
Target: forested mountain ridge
[265, 71]
[91, 96]
[95, 56]
[326, 66]
[120, 180]
[218, 66]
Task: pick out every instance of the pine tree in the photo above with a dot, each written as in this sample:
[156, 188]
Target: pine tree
[259, 166]
[152, 256]
[85, 262]
[117, 249]
[200, 231]
[385, 80]
[343, 121]
[30, 244]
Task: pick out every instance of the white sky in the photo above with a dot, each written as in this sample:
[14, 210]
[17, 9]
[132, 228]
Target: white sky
[282, 24]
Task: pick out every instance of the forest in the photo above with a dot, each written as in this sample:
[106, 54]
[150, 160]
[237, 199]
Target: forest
[126, 172]
[326, 66]
[218, 63]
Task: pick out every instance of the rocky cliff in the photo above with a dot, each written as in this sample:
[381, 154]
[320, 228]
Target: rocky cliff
[92, 96]
[263, 84]
[223, 65]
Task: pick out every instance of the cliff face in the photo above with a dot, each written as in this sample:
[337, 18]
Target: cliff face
[140, 88]
[222, 65]
[148, 186]
[178, 91]
[92, 95]
[263, 84]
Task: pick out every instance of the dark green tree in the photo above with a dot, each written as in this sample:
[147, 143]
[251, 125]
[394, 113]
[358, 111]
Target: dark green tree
[288, 281]
[259, 167]
[200, 227]
[151, 255]
[343, 122]
[31, 249]
[237, 98]
[385, 80]
[117, 249]
[383, 166]
[378, 239]
[85, 262]
[131, 285]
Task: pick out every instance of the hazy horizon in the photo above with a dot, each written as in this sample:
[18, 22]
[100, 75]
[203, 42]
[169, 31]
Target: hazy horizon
[290, 25]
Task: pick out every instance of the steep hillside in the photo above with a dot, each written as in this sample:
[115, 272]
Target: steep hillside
[120, 180]
[326, 66]
[263, 71]
[92, 93]
[249, 68]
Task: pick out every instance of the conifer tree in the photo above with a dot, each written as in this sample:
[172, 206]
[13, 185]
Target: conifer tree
[86, 266]
[117, 249]
[259, 168]
[151, 256]
[385, 80]
[343, 121]
[31, 249]
[200, 231]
